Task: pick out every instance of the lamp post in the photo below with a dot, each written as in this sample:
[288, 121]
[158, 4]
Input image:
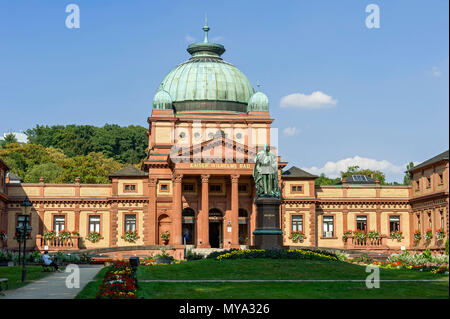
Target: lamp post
[25, 230]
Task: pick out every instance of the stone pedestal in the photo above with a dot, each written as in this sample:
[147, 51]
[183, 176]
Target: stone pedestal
[268, 234]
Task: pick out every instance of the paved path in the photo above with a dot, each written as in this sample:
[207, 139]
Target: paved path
[289, 280]
[53, 286]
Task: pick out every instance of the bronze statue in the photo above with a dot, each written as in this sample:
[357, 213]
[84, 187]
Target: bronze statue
[265, 174]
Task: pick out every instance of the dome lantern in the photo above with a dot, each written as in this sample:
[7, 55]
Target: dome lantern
[206, 82]
[162, 101]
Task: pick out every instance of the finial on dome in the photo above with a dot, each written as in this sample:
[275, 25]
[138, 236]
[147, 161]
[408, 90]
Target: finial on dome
[206, 28]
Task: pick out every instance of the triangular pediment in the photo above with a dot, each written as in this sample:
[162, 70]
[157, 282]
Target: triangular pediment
[219, 148]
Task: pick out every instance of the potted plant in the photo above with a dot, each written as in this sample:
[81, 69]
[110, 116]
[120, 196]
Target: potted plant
[94, 237]
[165, 237]
[398, 235]
[346, 235]
[360, 236]
[63, 235]
[49, 235]
[428, 234]
[297, 236]
[130, 236]
[417, 236]
[163, 258]
[440, 234]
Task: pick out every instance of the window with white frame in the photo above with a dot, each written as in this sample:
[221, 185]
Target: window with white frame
[59, 223]
[94, 224]
[297, 223]
[130, 222]
[328, 226]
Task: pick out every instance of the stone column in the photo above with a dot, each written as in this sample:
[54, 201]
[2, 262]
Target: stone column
[114, 232]
[176, 212]
[235, 211]
[150, 217]
[203, 216]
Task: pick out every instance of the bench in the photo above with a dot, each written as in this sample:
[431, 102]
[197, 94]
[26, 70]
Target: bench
[47, 268]
[3, 281]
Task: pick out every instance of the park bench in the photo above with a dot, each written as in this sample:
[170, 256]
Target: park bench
[47, 268]
[3, 281]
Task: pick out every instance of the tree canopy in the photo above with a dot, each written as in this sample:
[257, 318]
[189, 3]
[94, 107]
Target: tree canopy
[62, 153]
[127, 145]
[356, 170]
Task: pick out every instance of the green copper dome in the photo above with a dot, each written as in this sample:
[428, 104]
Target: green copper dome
[162, 101]
[258, 103]
[207, 83]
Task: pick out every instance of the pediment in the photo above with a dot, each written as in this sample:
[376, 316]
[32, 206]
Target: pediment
[219, 148]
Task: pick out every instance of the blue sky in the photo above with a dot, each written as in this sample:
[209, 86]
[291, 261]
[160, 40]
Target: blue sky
[388, 87]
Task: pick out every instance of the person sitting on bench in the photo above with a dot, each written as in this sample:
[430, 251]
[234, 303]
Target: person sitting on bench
[48, 262]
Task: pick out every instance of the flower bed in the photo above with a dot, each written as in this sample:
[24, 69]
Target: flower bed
[118, 283]
[278, 254]
[435, 269]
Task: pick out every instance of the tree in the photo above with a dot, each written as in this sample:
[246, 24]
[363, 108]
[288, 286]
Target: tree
[93, 168]
[356, 170]
[50, 171]
[9, 138]
[324, 180]
[407, 177]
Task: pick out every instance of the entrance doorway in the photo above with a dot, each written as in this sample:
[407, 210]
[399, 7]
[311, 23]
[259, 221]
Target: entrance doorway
[188, 227]
[215, 228]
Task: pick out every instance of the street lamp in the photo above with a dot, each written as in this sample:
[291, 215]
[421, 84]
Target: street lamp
[23, 231]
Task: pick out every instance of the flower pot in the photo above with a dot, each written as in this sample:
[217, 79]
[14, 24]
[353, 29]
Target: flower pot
[163, 261]
[165, 241]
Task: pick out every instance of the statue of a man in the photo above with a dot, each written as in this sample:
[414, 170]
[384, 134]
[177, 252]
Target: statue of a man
[265, 174]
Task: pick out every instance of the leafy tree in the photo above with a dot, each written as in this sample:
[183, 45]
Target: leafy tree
[356, 170]
[324, 180]
[93, 168]
[9, 138]
[407, 178]
[50, 171]
[124, 144]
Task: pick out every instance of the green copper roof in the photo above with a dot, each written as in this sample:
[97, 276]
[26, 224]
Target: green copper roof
[206, 82]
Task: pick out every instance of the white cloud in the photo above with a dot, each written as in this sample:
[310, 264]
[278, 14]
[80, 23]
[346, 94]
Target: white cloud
[333, 169]
[316, 100]
[291, 131]
[436, 72]
[189, 38]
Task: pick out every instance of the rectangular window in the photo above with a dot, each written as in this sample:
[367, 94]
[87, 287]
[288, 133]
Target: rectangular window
[129, 187]
[130, 222]
[296, 188]
[417, 185]
[215, 188]
[440, 179]
[394, 223]
[94, 224]
[188, 188]
[163, 187]
[59, 223]
[242, 188]
[21, 220]
[328, 226]
[441, 213]
[418, 222]
[428, 182]
[297, 223]
[430, 223]
[361, 223]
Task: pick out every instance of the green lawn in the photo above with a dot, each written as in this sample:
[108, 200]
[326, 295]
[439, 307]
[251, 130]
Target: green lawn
[14, 275]
[276, 269]
[90, 290]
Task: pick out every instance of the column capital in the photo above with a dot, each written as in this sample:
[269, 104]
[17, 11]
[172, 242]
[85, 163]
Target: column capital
[177, 178]
[205, 178]
[235, 178]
